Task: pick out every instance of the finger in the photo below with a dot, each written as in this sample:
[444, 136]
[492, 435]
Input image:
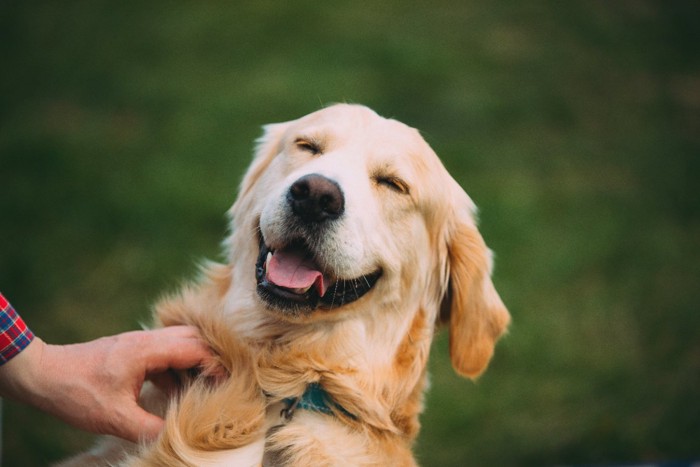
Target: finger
[184, 331]
[173, 348]
[210, 365]
[139, 425]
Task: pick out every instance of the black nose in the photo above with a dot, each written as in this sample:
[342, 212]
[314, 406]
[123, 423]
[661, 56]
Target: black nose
[315, 198]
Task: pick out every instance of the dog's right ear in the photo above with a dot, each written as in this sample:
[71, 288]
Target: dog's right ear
[267, 147]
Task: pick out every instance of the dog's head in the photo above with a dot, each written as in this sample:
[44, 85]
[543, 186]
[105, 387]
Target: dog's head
[349, 213]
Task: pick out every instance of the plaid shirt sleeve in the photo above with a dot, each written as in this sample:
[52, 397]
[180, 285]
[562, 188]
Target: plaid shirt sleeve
[14, 333]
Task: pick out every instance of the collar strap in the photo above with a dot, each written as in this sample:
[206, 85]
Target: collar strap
[315, 399]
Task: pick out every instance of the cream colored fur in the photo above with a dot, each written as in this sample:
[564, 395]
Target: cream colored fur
[405, 215]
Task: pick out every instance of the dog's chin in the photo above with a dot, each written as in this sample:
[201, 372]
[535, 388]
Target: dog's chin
[299, 302]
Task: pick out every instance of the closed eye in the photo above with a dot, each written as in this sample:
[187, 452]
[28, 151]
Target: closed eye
[394, 183]
[309, 146]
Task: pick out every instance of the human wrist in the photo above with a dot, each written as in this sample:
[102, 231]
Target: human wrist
[20, 378]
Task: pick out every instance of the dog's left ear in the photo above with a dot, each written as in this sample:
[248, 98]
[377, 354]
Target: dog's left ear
[474, 309]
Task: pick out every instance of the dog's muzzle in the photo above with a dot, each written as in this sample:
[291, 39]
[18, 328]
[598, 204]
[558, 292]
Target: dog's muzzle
[289, 278]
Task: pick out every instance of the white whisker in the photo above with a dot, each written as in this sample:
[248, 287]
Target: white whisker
[335, 290]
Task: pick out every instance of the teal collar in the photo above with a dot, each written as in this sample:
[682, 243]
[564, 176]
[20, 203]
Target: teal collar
[315, 399]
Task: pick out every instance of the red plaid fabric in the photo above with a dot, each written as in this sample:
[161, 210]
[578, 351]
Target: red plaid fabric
[14, 333]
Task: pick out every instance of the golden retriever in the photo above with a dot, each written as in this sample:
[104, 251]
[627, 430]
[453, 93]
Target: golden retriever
[349, 243]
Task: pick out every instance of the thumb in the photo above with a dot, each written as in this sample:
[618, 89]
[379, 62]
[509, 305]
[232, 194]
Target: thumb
[140, 426]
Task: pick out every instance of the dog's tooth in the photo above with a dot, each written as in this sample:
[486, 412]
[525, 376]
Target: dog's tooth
[301, 290]
[266, 266]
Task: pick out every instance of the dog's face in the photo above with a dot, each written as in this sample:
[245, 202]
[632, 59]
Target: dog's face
[354, 213]
[343, 210]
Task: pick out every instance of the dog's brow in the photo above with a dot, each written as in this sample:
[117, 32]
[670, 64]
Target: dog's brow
[316, 135]
[317, 141]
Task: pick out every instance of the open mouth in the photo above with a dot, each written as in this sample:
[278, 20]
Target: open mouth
[290, 279]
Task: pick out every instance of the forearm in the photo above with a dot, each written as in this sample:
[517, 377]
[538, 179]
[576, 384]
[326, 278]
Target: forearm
[20, 354]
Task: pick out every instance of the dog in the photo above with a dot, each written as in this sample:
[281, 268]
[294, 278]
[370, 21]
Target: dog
[350, 243]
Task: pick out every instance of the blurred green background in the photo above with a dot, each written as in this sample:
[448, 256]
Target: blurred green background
[575, 126]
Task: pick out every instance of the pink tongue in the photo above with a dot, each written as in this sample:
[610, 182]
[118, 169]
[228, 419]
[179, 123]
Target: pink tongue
[292, 270]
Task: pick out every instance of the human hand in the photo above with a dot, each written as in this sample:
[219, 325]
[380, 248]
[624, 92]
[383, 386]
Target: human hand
[95, 385]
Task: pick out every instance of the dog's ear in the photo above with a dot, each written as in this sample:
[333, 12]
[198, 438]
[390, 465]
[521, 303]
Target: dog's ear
[267, 147]
[474, 309]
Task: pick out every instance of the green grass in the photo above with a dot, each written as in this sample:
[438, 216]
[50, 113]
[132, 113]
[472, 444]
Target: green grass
[125, 128]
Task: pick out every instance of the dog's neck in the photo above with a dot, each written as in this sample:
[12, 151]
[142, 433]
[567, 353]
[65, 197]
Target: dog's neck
[380, 353]
[352, 358]
[315, 399]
